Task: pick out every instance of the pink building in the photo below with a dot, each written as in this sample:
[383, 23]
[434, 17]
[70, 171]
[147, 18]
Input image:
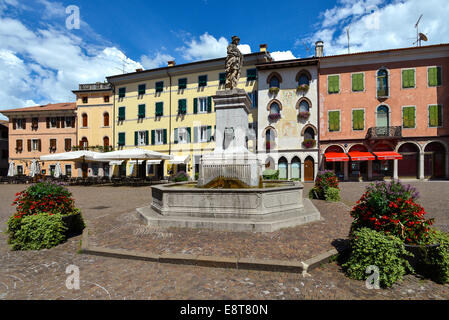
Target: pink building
[42, 130]
[385, 113]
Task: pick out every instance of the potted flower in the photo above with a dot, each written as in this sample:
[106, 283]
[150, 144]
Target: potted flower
[274, 116]
[273, 90]
[304, 115]
[309, 143]
[303, 88]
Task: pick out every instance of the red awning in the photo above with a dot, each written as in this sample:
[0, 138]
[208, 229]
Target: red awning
[336, 156]
[388, 155]
[361, 156]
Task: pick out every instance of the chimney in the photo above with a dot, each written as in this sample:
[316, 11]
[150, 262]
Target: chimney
[139, 70]
[319, 49]
[263, 47]
[171, 63]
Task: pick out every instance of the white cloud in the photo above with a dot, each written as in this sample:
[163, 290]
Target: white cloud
[159, 60]
[208, 47]
[282, 55]
[375, 25]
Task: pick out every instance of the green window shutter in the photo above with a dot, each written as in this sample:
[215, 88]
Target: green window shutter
[121, 139]
[357, 82]
[209, 104]
[251, 74]
[195, 105]
[195, 134]
[136, 138]
[176, 135]
[159, 109]
[334, 120]
[408, 117]
[182, 106]
[202, 81]
[146, 138]
[189, 135]
[141, 113]
[435, 113]
[182, 83]
[357, 120]
[408, 78]
[121, 92]
[333, 84]
[153, 137]
[121, 113]
[165, 136]
[142, 89]
[434, 75]
[160, 86]
[222, 78]
[209, 133]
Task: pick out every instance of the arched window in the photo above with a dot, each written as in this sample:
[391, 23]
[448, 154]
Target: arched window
[106, 141]
[84, 143]
[309, 134]
[269, 139]
[304, 106]
[382, 116]
[106, 119]
[84, 117]
[274, 82]
[274, 108]
[303, 79]
[382, 83]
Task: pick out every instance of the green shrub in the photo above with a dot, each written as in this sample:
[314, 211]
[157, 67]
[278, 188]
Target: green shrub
[197, 176]
[332, 194]
[36, 232]
[313, 193]
[372, 248]
[324, 180]
[270, 174]
[181, 176]
[435, 264]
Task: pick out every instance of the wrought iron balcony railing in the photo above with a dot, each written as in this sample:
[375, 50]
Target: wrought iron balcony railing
[384, 132]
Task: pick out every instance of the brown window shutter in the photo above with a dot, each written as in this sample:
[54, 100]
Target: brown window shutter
[48, 123]
[68, 144]
[62, 122]
[73, 122]
[39, 145]
[24, 123]
[58, 122]
[29, 145]
[14, 124]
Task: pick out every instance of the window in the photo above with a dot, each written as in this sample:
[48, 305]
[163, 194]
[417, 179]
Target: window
[182, 135]
[106, 119]
[34, 123]
[121, 138]
[274, 108]
[52, 169]
[203, 105]
[274, 82]
[52, 145]
[19, 146]
[121, 113]
[182, 106]
[408, 78]
[159, 109]
[434, 76]
[121, 93]
[141, 112]
[382, 83]
[202, 81]
[309, 134]
[70, 122]
[251, 74]
[141, 89]
[67, 145]
[435, 116]
[141, 138]
[84, 143]
[68, 170]
[358, 119]
[106, 99]
[358, 82]
[150, 169]
[222, 79]
[334, 121]
[408, 117]
[20, 170]
[160, 86]
[35, 145]
[85, 99]
[182, 83]
[333, 84]
[95, 169]
[204, 134]
[159, 136]
[20, 123]
[303, 79]
[105, 141]
[304, 106]
[84, 118]
[253, 98]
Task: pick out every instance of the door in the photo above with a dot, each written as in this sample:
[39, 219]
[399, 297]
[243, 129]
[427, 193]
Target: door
[382, 117]
[309, 168]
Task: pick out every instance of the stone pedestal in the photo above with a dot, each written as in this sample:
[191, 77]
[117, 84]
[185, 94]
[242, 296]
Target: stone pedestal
[231, 159]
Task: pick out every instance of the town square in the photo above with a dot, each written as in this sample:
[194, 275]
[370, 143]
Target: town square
[214, 171]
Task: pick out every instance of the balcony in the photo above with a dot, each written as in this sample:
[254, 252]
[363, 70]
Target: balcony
[95, 86]
[384, 132]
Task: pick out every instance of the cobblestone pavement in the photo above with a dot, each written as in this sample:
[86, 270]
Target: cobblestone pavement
[41, 275]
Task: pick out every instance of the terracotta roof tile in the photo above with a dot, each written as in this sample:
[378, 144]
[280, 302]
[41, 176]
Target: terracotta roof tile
[48, 107]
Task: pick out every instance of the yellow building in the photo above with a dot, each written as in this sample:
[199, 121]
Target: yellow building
[170, 110]
[95, 122]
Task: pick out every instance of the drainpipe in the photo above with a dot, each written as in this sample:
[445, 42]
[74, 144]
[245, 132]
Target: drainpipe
[113, 117]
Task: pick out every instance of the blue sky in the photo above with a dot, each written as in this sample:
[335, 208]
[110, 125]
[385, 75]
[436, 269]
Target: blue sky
[41, 60]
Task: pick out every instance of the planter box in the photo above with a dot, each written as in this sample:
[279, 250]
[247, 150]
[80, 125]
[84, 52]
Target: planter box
[74, 223]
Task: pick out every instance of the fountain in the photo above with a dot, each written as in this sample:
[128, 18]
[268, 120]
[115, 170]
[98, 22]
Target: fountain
[230, 194]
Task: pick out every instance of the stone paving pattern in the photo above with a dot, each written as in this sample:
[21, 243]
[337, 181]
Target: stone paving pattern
[41, 275]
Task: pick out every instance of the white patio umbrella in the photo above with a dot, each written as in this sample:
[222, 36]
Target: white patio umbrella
[33, 168]
[82, 155]
[58, 170]
[11, 169]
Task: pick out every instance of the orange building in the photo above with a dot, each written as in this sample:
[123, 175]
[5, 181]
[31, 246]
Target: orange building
[42, 130]
[385, 113]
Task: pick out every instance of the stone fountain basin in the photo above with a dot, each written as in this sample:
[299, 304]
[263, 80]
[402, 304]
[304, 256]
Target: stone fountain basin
[279, 204]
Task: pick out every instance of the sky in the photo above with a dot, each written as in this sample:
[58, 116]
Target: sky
[45, 52]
